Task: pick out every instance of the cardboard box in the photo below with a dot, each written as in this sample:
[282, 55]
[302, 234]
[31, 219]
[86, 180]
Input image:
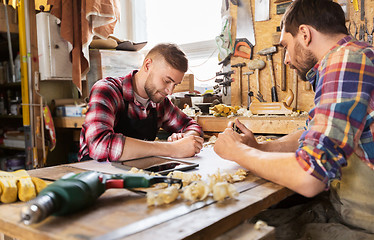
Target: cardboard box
[69, 111]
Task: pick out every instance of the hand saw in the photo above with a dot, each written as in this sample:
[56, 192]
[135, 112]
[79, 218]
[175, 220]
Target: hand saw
[245, 35]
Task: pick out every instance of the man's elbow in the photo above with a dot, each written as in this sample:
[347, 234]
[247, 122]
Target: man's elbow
[310, 187]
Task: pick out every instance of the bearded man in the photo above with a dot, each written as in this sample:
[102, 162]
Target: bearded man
[125, 113]
[334, 156]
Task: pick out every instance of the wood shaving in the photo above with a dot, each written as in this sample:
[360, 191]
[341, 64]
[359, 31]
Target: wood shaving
[196, 191]
[187, 178]
[212, 140]
[165, 196]
[222, 190]
[238, 176]
[260, 224]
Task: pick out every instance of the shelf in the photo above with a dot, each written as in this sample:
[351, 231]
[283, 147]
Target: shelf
[2, 146]
[68, 122]
[10, 85]
[10, 116]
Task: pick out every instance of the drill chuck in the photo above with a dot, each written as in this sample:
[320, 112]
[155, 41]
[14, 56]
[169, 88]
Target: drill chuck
[38, 209]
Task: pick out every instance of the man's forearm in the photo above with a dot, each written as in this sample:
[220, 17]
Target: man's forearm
[135, 148]
[281, 168]
[288, 143]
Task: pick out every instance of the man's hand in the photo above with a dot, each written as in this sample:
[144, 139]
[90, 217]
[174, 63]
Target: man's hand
[175, 136]
[187, 146]
[228, 144]
[246, 136]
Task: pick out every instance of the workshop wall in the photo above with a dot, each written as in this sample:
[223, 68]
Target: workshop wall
[265, 32]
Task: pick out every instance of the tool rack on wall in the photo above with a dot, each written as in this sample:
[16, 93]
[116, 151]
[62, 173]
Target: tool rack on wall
[359, 13]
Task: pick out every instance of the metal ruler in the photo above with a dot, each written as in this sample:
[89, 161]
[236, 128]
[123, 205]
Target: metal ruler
[171, 214]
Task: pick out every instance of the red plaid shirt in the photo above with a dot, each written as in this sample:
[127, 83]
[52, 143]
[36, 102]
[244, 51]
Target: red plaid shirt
[98, 139]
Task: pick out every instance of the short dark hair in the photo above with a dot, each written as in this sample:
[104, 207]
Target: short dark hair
[325, 16]
[172, 54]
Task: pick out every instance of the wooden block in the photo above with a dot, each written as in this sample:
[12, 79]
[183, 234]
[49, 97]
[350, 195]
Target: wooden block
[270, 108]
[187, 84]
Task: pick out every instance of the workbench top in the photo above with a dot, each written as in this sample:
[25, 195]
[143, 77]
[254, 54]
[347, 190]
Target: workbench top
[119, 207]
[271, 124]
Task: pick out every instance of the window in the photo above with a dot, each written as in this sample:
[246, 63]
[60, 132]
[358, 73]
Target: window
[192, 24]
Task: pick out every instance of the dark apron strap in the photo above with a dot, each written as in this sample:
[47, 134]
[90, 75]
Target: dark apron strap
[145, 129]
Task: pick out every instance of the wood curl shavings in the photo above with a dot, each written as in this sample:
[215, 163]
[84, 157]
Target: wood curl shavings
[238, 176]
[187, 178]
[222, 190]
[260, 224]
[196, 191]
[165, 196]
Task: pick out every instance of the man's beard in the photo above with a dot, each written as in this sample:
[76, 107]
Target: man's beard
[152, 91]
[307, 61]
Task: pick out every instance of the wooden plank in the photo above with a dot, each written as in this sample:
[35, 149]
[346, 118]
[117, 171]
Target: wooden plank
[216, 219]
[258, 124]
[12, 18]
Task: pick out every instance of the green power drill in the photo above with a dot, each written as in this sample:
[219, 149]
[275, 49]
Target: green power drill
[74, 192]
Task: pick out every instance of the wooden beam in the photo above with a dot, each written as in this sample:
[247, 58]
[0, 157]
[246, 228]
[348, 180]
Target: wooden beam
[258, 124]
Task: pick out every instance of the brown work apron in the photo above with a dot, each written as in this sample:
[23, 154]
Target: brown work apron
[353, 196]
[346, 212]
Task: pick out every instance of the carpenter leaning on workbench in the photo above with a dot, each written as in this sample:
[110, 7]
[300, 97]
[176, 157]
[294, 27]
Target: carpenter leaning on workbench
[125, 113]
[336, 152]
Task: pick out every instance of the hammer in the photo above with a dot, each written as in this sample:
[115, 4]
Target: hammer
[250, 93]
[268, 52]
[256, 65]
[240, 66]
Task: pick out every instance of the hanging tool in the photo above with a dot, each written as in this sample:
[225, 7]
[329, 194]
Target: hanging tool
[250, 93]
[225, 82]
[240, 66]
[355, 4]
[295, 89]
[276, 42]
[262, 10]
[260, 98]
[370, 35]
[361, 35]
[362, 10]
[245, 35]
[268, 52]
[76, 191]
[356, 30]
[256, 65]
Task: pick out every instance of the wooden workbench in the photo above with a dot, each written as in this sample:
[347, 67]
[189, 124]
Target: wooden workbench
[275, 124]
[119, 207]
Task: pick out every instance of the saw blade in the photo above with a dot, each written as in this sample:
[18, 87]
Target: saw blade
[244, 24]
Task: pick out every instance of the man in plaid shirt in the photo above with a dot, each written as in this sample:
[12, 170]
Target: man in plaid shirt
[125, 113]
[336, 151]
